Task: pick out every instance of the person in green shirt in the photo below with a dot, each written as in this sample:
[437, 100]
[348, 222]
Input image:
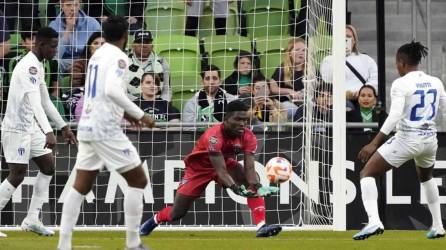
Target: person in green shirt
[241, 80]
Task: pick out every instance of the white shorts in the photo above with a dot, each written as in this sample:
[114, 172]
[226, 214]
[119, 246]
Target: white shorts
[118, 155]
[397, 151]
[21, 147]
[219, 8]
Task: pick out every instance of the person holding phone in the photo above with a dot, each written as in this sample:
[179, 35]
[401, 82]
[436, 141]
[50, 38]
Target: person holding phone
[265, 108]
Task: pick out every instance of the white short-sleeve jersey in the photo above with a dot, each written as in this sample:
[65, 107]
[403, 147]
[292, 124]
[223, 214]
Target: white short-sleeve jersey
[102, 115]
[416, 98]
[27, 75]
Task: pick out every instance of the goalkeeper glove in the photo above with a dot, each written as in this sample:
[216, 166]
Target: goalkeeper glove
[242, 191]
[264, 191]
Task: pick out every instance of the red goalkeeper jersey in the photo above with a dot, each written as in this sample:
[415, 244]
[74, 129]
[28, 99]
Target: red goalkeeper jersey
[214, 140]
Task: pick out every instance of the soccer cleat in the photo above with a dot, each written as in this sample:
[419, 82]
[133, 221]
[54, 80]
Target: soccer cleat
[148, 227]
[36, 227]
[435, 233]
[140, 247]
[369, 230]
[268, 230]
[3, 235]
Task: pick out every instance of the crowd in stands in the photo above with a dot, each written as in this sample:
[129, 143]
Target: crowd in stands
[275, 98]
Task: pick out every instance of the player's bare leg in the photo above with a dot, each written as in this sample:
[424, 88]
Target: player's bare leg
[32, 222]
[256, 205]
[71, 207]
[175, 212]
[16, 175]
[133, 206]
[375, 167]
[433, 201]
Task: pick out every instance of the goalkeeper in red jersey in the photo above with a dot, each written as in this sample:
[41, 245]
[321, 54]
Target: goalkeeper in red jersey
[214, 159]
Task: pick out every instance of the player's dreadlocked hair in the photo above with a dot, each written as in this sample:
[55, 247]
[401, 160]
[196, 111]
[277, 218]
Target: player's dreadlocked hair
[234, 106]
[411, 53]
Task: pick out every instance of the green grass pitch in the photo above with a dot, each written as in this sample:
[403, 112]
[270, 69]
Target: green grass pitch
[182, 240]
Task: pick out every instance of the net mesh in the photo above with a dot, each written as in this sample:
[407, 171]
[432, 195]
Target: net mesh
[266, 30]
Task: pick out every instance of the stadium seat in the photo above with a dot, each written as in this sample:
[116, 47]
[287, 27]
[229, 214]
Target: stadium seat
[180, 51]
[319, 46]
[271, 51]
[117, 7]
[266, 17]
[165, 18]
[184, 86]
[222, 51]
[207, 21]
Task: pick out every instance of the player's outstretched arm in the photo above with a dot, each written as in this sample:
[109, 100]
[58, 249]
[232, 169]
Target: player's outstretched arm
[218, 162]
[250, 173]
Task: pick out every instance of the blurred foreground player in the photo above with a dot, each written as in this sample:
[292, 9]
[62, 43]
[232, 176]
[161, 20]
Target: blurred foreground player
[101, 139]
[214, 159]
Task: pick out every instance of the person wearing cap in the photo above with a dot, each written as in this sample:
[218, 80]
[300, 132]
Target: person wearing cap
[74, 28]
[144, 59]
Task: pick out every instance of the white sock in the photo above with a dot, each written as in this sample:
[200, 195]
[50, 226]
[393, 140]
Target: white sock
[433, 202]
[133, 206]
[6, 191]
[40, 193]
[370, 198]
[70, 214]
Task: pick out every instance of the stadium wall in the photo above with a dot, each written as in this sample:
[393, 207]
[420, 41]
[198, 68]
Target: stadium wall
[402, 206]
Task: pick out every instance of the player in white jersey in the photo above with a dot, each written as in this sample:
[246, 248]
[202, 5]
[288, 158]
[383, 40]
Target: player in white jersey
[415, 98]
[101, 139]
[26, 132]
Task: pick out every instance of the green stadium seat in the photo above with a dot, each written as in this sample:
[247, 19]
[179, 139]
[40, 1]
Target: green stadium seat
[165, 18]
[319, 46]
[166, 3]
[117, 7]
[271, 51]
[207, 21]
[15, 40]
[222, 51]
[266, 17]
[184, 86]
[180, 51]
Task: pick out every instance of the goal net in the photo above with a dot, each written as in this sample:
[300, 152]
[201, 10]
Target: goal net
[267, 31]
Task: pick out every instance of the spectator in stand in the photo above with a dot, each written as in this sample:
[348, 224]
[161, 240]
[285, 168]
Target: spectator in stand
[322, 110]
[144, 59]
[73, 97]
[97, 9]
[286, 83]
[74, 28]
[368, 110]
[50, 67]
[160, 110]
[208, 104]
[359, 70]
[241, 80]
[194, 9]
[266, 109]
[5, 46]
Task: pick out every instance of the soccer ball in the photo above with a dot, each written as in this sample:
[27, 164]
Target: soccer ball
[278, 170]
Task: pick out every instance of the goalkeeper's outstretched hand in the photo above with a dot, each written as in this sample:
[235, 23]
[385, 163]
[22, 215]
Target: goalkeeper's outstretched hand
[242, 191]
[264, 191]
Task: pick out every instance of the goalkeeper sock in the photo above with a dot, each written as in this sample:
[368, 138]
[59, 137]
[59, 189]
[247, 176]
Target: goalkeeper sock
[70, 214]
[163, 215]
[433, 202]
[6, 191]
[133, 206]
[257, 207]
[370, 198]
[40, 193]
